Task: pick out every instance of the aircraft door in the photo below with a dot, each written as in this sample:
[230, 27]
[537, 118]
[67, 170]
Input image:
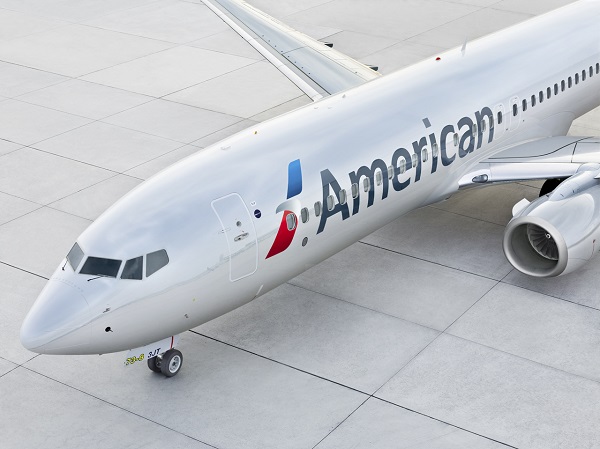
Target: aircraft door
[238, 228]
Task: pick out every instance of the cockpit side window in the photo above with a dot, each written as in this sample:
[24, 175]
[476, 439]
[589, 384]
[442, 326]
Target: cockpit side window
[74, 257]
[155, 261]
[101, 267]
[133, 268]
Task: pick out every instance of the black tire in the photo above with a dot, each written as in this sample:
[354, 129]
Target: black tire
[152, 364]
[550, 185]
[171, 362]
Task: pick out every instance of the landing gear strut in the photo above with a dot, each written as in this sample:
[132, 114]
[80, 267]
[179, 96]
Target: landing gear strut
[169, 363]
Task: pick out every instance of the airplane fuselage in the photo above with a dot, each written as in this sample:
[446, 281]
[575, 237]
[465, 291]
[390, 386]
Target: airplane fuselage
[361, 158]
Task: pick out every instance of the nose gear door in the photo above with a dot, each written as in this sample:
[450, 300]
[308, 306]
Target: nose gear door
[238, 229]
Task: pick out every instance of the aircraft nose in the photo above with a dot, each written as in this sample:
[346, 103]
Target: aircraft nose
[53, 325]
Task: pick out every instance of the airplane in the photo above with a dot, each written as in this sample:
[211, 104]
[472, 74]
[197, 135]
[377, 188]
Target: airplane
[232, 222]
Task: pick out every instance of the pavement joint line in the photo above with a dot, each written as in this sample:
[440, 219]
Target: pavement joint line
[24, 270]
[115, 405]
[426, 260]
[340, 423]
[370, 395]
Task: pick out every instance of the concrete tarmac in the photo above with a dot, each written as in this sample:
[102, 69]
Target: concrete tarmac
[419, 336]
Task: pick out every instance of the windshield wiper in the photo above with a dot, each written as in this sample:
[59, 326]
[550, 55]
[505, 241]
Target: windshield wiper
[99, 276]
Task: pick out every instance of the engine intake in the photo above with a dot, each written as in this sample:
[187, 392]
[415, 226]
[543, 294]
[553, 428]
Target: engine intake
[535, 247]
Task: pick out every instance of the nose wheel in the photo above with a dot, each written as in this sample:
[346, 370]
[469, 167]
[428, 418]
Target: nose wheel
[168, 364]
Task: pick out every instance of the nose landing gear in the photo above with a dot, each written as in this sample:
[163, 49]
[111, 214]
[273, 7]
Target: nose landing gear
[168, 364]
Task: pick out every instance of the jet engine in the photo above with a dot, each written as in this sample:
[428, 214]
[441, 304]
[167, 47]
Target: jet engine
[560, 231]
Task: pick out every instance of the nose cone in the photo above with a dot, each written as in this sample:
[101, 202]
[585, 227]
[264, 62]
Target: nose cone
[56, 324]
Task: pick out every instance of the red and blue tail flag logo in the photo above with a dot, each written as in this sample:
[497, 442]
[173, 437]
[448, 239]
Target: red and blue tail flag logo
[284, 236]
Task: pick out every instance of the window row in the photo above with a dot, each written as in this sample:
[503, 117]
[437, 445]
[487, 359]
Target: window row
[557, 88]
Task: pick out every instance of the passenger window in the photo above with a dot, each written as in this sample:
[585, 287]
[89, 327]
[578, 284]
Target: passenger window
[290, 221]
[75, 256]
[415, 160]
[456, 134]
[597, 68]
[367, 184]
[97, 266]
[570, 82]
[515, 110]
[343, 197]
[524, 105]
[548, 93]
[591, 71]
[304, 216]
[491, 122]
[556, 89]
[330, 203]
[474, 130]
[562, 85]
[133, 268]
[155, 261]
[583, 75]
[499, 117]
[424, 155]
[533, 100]
[354, 189]
[402, 167]
[541, 96]
[577, 78]
[434, 152]
[318, 208]
[390, 172]
[483, 126]
[378, 177]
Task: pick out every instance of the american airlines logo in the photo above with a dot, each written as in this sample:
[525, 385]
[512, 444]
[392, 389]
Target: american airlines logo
[285, 235]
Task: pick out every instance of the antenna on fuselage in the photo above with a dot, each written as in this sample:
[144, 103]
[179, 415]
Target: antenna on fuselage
[463, 50]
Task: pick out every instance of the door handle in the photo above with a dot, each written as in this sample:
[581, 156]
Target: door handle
[241, 237]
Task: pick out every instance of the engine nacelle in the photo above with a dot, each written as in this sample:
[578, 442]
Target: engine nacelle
[559, 232]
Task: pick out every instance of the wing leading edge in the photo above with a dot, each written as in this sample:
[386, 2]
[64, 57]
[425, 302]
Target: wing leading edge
[314, 67]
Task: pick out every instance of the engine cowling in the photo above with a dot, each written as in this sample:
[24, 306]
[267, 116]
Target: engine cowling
[559, 232]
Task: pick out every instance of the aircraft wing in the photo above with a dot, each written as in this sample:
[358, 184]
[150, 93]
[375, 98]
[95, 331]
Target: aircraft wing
[313, 66]
[552, 157]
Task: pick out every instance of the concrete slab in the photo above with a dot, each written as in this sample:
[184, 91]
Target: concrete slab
[15, 24]
[581, 287]
[40, 412]
[378, 282]
[89, 203]
[225, 132]
[76, 50]
[171, 21]
[381, 425]
[89, 100]
[261, 84]
[27, 124]
[284, 8]
[147, 169]
[470, 27]
[43, 178]
[6, 366]
[169, 71]
[396, 20]
[26, 245]
[108, 146]
[549, 331]
[16, 80]
[12, 207]
[504, 397]
[530, 7]
[173, 121]
[229, 42]
[67, 10]
[224, 397]
[19, 291]
[435, 236]
[338, 341]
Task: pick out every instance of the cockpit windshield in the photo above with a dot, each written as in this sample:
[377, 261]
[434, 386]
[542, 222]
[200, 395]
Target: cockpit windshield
[101, 267]
[74, 257]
